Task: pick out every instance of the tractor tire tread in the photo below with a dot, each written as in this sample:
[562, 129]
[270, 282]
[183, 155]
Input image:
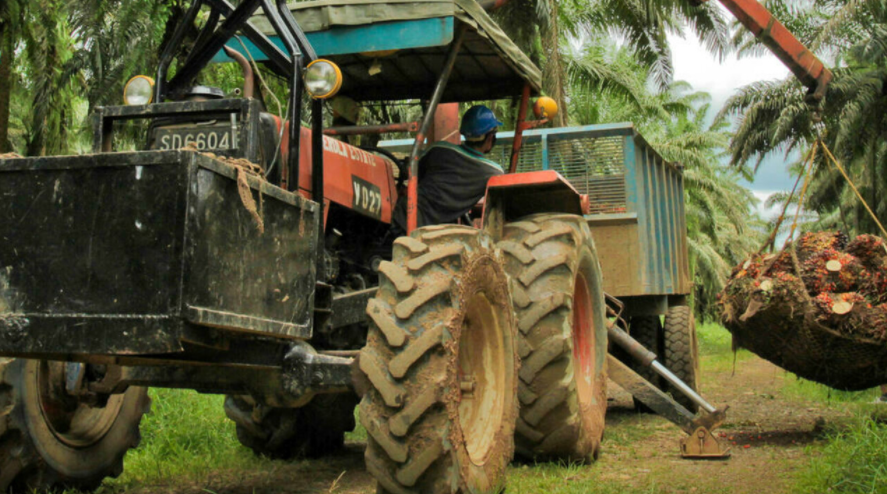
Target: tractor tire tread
[549, 426]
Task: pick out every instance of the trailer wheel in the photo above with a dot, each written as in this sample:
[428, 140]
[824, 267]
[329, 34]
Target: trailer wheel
[647, 330]
[312, 431]
[51, 440]
[681, 355]
[441, 362]
[559, 302]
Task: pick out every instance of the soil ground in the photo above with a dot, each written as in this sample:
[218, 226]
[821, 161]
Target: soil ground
[772, 434]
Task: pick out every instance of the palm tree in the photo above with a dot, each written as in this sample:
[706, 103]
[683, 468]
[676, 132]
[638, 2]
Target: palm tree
[721, 229]
[774, 116]
[10, 25]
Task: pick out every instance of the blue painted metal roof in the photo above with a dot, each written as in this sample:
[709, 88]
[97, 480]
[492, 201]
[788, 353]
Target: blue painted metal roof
[383, 36]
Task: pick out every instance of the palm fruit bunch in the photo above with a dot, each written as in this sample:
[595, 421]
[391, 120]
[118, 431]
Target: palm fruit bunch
[801, 307]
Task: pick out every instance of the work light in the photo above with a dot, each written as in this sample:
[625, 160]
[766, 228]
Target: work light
[139, 91]
[323, 79]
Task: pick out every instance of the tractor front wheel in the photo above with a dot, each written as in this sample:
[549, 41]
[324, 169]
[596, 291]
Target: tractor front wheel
[52, 440]
[559, 301]
[442, 365]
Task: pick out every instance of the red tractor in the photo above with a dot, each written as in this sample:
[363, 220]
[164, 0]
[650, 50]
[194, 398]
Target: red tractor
[242, 255]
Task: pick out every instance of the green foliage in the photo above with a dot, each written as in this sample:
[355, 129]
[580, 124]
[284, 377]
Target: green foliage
[71, 57]
[774, 116]
[853, 462]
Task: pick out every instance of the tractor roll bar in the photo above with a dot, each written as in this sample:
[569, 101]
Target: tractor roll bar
[413, 185]
[213, 45]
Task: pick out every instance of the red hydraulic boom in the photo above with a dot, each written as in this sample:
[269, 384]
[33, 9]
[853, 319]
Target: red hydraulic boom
[801, 61]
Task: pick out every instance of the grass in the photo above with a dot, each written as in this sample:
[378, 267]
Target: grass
[716, 348]
[854, 461]
[185, 439]
[853, 457]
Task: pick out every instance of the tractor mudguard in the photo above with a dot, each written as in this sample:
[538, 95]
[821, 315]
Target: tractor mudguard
[520, 194]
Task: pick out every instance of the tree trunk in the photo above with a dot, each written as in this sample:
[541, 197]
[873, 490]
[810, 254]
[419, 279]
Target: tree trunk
[553, 70]
[6, 61]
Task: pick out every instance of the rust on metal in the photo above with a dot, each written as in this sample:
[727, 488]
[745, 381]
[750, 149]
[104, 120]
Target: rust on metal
[702, 444]
[519, 128]
[248, 80]
[694, 446]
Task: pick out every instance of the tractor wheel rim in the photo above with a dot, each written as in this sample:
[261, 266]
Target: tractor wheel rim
[483, 376]
[583, 341]
[71, 421]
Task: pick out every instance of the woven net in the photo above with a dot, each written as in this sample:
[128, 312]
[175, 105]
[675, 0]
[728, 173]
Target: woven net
[816, 309]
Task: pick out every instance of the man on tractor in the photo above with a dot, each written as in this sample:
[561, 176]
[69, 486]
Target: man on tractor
[453, 178]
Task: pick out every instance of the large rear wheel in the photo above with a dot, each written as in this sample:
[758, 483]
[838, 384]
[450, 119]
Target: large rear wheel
[52, 440]
[559, 301]
[312, 431]
[442, 365]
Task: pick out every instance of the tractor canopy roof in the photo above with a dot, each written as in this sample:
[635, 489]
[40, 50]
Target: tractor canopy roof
[396, 49]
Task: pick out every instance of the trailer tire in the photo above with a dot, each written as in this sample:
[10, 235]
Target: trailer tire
[681, 355]
[647, 330]
[312, 431]
[64, 443]
[441, 363]
[563, 342]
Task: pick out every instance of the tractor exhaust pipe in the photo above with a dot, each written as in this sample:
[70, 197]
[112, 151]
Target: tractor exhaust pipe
[248, 80]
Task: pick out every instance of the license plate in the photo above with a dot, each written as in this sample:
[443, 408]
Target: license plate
[213, 138]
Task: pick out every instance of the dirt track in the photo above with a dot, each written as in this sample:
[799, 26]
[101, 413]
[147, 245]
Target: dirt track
[640, 451]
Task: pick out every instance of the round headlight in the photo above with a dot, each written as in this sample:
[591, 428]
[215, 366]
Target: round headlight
[323, 79]
[139, 90]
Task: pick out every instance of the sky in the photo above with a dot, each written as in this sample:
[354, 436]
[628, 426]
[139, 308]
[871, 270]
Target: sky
[693, 64]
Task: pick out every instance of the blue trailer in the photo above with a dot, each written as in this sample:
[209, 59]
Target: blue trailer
[637, 218]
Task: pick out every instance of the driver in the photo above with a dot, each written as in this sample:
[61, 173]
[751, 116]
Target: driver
[453, 178]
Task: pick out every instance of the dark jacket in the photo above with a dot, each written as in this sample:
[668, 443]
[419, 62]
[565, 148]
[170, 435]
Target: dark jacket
[452, 178]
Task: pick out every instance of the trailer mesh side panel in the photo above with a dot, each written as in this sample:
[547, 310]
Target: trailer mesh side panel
[530, 155]
[594, 165]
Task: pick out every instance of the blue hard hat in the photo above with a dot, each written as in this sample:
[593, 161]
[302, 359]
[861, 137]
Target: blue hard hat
[477, 122]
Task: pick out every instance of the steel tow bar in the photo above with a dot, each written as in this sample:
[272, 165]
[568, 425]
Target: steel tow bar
[701, 443]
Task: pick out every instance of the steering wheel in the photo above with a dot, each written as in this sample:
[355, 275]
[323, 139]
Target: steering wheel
[402, 169]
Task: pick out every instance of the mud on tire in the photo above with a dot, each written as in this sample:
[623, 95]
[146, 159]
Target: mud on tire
[559, 301]
[681, 352]
[312, 431]
[442, 366]
[63, 443]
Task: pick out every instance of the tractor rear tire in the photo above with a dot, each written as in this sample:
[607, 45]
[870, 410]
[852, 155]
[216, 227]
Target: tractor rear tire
[52, 441]
[647, 330]
[681, 355]
[441, 363]
[312, 431]
[559, 301]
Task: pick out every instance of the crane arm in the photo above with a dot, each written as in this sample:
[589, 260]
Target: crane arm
[801, 61]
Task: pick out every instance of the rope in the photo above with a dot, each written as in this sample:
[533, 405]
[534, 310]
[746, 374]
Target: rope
[807, 175]
[811, 157]
[840, 168]
[773, 233]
